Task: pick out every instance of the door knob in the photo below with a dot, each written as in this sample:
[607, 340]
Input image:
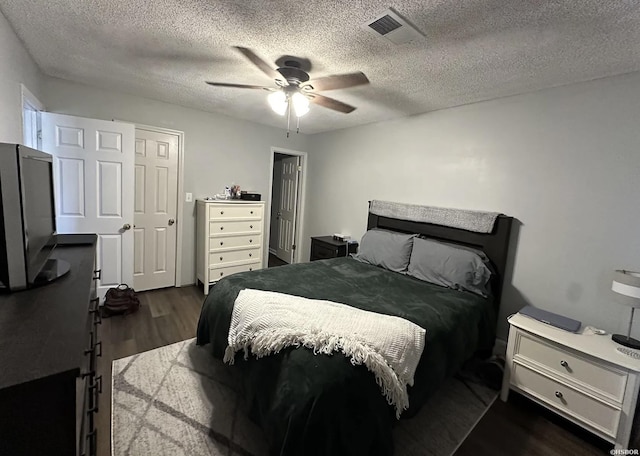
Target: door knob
[171, 222]
[126, 227]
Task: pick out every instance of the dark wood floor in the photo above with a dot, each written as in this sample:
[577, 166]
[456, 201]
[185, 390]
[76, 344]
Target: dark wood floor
[522, 428]
[515, 428]
[166, 316]
[275, 261]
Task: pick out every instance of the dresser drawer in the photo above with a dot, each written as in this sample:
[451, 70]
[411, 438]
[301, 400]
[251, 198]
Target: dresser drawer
[235, 211]
[218, 273]
[322, 252]
[234, 256]
[234, 242]
[217, 229]
[582, 407]
[607, 380]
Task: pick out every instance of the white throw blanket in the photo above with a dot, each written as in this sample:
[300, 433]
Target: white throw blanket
[265, 322]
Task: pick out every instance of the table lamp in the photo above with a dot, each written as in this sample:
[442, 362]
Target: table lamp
[627, 284]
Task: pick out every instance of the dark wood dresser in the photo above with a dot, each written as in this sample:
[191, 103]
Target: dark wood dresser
[48, 357]
[323, 247]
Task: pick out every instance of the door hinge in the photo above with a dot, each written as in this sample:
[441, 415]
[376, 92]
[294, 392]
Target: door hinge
[299, 168]
[293, 247]
[39, 134]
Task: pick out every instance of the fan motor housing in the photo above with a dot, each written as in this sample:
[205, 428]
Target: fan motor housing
[294, 75]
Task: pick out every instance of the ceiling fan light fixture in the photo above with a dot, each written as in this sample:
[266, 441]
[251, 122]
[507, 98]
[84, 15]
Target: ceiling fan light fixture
[300, 104]
[278, 102]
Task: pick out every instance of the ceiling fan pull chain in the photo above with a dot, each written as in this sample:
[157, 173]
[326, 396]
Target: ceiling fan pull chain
[288, 117]
[298, 125]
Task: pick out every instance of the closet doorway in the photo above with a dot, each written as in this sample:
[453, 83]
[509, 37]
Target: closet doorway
[288, 169]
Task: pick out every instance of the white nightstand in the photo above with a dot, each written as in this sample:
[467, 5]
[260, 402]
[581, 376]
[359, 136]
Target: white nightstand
[579, 376]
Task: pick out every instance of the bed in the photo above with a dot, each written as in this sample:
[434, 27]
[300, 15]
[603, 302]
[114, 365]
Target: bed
[323, 405]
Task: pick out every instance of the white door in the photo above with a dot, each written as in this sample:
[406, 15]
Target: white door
[287, 208]
[156, 193]
[93, 168]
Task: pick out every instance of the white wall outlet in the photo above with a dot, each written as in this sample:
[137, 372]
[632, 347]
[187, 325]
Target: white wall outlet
[189, 197]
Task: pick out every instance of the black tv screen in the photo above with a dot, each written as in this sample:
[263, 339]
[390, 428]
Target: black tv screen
[38, 210]
[27, 219]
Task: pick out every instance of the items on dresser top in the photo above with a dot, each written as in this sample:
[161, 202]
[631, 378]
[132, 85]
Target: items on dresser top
[325, 247]
[627, 286]
[578, 375]
[49, 347]
[229, 238]
[550, 318]
[250, 196]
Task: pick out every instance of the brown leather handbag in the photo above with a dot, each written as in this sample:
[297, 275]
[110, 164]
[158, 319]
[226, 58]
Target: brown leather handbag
[120, 300]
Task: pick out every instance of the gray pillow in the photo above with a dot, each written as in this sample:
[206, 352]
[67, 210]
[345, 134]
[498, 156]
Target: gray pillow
[451, 266]
[387, 249]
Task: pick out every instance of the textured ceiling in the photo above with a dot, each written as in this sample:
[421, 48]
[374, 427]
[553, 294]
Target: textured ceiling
[472, 50]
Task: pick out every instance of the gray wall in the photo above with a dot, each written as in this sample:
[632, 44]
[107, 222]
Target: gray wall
[219, 150]
[16, 67]
[565, 162]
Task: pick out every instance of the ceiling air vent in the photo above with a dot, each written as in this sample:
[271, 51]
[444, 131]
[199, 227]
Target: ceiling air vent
[393, 27]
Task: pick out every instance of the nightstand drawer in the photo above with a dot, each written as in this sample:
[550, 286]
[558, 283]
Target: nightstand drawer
[609, 381]
[323, 252]
[325, 247]
[572, 402]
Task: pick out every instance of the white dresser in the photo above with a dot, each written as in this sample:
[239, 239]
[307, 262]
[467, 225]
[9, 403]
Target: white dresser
[230, 238]
[580, 376]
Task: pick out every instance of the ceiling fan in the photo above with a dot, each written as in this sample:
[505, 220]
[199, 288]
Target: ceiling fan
[294, 87]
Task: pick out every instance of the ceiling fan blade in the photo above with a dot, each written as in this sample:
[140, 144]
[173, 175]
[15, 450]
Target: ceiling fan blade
[338, 81]
[257, 61]
[237, 86]
[331, 103]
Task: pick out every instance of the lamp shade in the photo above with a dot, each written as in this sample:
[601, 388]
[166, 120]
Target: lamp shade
[300, 104]
[627, 284]
[278, 102]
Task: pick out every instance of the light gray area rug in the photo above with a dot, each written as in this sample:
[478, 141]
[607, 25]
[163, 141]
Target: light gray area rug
[179, 400]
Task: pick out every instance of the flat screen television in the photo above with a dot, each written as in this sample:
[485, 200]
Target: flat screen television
[28, 219]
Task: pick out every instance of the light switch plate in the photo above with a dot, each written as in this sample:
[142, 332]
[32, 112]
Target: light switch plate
[189, 197]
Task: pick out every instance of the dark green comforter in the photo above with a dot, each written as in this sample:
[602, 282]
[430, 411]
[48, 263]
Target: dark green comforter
[322, 405]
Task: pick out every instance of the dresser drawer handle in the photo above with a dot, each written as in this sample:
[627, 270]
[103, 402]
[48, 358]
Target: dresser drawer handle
[221, 274]
[221, 228]
[90, 373]
[92, 437]
[250, 241]
[93, 409]
[250, 269]
[250, 254]
[221, 212]
[220, 258]
[251, 226]
[98, 346]
[221, 243]
[97, 384]
[563, 363]
[97, 274]
[251, 212]
[558, 394]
